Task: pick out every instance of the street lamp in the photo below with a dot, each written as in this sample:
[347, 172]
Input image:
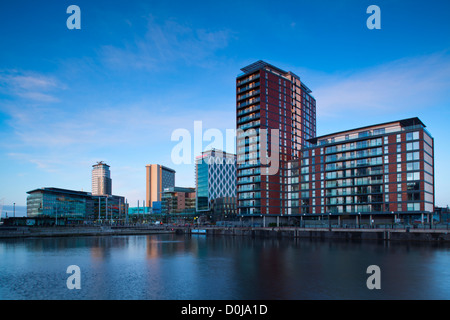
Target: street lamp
[329, 221]
[392, 212]
[359, 224]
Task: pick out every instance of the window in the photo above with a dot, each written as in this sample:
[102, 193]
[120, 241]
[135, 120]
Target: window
[413, 186]
[412, 146]
[413, 166]
[413, 207]
[378, 131]
[413, 176]
[413, 196]
[412, 136]
[412, 156]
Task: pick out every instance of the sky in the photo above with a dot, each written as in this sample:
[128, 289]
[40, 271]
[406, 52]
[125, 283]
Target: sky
[118, 88]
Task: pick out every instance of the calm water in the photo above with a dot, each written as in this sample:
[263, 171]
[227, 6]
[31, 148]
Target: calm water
[172, 267]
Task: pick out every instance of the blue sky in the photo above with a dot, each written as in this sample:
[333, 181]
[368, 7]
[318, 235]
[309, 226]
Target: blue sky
[116, 90]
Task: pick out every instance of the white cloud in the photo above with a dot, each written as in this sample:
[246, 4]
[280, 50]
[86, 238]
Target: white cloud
[405, 84]
[166, 43]
[30, 86]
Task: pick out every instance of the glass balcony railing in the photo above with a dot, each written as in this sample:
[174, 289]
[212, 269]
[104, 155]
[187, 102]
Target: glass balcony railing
[248, 95]
[249, 125]
[249, 102]
[248, 110]
[246, 80]
[250, 86]
[249, 180]
[248, 118]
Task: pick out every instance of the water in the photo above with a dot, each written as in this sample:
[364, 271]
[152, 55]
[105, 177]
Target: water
[175, 267]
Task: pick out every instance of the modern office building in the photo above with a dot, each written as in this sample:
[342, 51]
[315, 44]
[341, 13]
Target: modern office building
[378, 172]
[74, 205]
[178, 200]
[215, 182]
[101, 179]
[158, 178]
[277, 106]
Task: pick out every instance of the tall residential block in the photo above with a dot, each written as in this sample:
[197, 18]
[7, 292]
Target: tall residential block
[383, 171]
[101, 179]
[158, 178]
[215, 181]
[269, 102]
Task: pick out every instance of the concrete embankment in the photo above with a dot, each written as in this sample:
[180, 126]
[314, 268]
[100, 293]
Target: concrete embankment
[335, 233]
[23, 232]
[424, 235]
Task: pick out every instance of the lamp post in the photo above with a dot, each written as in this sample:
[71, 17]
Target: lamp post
[392, 212]
[359, 224]
[329, 221]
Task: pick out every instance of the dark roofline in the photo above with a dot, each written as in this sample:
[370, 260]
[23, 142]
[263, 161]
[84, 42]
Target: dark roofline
[100, 163]
[73, 192]
[260, 65]
[404, 123]
[164, 167]
[60, 190]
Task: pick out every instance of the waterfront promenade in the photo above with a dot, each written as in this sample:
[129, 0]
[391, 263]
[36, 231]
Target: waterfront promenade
[73, 231]
[385, 234]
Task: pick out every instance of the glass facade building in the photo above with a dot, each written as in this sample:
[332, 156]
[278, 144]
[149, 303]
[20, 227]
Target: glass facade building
[215, 177]
[74, 205]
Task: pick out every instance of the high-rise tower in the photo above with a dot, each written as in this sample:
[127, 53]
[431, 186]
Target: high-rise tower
[269, 102]
[101, 179]
[158, 178]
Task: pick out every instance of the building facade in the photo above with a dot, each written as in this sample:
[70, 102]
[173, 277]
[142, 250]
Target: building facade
[275, 106]
[379, 171]
[178, 200]
[74, 205]
[215, 181]
[158, 178]
[101, 179]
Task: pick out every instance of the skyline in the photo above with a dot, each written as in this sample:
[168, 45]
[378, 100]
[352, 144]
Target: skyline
[116, 90]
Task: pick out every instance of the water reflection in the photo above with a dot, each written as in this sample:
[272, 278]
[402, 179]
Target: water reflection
[201, 267]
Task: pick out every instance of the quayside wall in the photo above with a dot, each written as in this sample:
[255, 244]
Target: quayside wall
[427, 235]
[324, 233]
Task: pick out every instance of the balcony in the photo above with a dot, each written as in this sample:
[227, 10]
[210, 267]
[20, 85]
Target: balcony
[249, 102]
[248, 110]
[253, 195]
[249, 87]
[251, 179]
[248, 118]
[246, 80]
[252, 124]
[248, 95]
